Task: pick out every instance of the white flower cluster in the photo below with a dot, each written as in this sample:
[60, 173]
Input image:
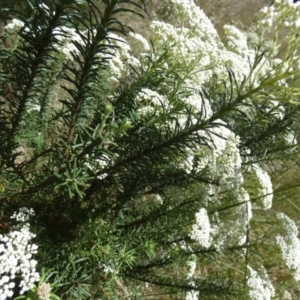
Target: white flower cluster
[150, 101]
[290, 138]
[236, 41]
[266, 16]
[23, 214]
[43, 291]
[192, 295]
[260, 285]
[200, 105]
[196, 45]
[192, 268]
[229, 162]
[14, 25]
[201, 229]
[158, 199]
[245, 198]
[285, 11]
[99, 164]
[194, 42]
[239, 55]
[141, 40]
[66, 41]
[243, 217]
[16, 252]
[287, 295]
[221, 155]
[219, 135]
[150, 96]
[231, 227]
[33, 107]
[275, 109]
[259, 183]
[290, 244]
[188, 164]
[223, 162]
[120, 57]
[107, 269]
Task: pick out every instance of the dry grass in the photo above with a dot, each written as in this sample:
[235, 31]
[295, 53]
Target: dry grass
[235, 12]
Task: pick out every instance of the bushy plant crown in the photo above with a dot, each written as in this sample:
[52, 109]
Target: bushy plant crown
[147, 164]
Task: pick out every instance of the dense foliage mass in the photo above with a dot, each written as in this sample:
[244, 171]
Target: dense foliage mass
[133, 169]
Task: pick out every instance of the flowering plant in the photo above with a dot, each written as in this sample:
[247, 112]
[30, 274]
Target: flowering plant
[149, 172]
